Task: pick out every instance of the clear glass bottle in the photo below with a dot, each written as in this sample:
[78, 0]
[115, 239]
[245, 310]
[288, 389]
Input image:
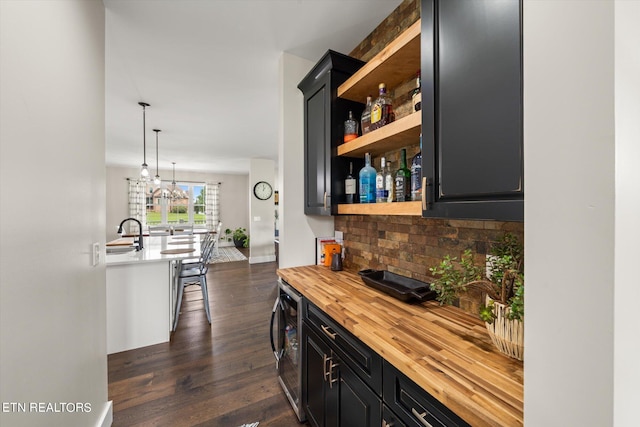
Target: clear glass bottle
[350, 128]
[350, 186]
[381, 110]
[416, 174]
[403, 179]
[389, 183]
[416, 95]
[365, 122]
[381, 190]
[367, 181]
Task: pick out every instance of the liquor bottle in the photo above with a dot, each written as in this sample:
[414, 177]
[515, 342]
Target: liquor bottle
[381, 110]
[381, 190]
[350, 128]
[365, 122]
[367, 181]
[388, 183]
[350, 186]
[416, 95]
[416, 174]
[403, 179]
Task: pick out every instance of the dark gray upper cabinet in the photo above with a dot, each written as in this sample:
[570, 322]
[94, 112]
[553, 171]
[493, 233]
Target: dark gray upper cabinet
[324, 116]
[471, 64]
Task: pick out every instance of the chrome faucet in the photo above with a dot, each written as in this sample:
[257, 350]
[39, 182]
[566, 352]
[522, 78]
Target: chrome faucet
[139, 227]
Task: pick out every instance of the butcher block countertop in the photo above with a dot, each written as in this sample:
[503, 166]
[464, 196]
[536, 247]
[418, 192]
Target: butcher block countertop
[442, 349]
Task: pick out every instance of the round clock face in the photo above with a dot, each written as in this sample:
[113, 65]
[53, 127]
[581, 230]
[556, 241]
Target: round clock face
[262, 190]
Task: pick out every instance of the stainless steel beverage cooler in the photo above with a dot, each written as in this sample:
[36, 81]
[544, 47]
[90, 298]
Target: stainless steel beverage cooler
[286, 326]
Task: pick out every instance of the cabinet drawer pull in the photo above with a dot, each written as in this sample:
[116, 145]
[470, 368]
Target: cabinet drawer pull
[324, 200]
[331, 367]
[386, 424]
[327, 331]
[325, 372]
[420, 417]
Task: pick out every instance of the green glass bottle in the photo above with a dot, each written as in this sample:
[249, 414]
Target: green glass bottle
[403, 179]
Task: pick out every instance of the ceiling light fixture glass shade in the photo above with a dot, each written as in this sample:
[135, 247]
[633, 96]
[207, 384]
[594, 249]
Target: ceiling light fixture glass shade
[156, 179]
[176, 193]
[144, 169]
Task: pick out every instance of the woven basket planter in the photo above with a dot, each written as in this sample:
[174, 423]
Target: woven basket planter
[506, 334]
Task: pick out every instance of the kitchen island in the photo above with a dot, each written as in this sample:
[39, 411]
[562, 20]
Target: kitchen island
[446, 352]
[141, 289]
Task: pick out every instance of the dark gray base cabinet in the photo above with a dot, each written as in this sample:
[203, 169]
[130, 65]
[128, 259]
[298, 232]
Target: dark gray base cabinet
[324, 116]
[472, 125]
[346, 384]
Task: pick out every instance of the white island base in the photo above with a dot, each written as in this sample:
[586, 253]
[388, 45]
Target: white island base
[139, 305]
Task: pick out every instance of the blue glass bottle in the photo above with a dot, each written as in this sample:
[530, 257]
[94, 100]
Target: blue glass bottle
[367, 181]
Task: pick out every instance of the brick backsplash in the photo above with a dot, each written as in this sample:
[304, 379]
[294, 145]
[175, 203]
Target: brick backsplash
[409, 245]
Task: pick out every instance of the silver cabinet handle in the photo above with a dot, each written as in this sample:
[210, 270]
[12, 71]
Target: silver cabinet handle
[420, 417]
[331, 367]
[324, 200]
[327, 331]
[424, 193]
[386, 424]
[325, 359]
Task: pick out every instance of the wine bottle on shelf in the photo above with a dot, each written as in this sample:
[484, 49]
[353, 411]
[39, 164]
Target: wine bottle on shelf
[367, 181]
[416, 174]
[365, 122]
[389, 183]
[381, 110]
[381, 190]
[416, 95]
[350, 186]
[350, 128]
[403, 179]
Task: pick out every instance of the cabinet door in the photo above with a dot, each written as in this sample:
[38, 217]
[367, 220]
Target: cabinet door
[471, 54]
[316, 394]
[358, 406]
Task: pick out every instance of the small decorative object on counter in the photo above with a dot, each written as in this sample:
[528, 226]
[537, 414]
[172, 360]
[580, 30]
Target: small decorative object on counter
[403, 179]
[381, 110]
[350, 186]
[381, 190]
[366, 117]
[367, 181]
[350, 128]
[416, 95]
[416, 175]
[336, 262]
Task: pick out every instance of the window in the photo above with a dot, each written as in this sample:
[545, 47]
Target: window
[183, 204]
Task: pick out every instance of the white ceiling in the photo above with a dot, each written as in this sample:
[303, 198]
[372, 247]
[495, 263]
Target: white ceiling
[209, 70]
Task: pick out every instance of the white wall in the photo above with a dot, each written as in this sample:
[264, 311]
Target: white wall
[569, 212]
[52, 180]
[627, 292]
[262, 214]
[298, 231]
[234, 195]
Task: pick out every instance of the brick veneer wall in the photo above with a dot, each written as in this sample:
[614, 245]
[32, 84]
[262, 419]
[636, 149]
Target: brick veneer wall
[409, 245]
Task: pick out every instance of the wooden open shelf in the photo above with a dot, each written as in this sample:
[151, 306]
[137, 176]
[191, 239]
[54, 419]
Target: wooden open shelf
[395, 135]
[394, 65]
[399, 208]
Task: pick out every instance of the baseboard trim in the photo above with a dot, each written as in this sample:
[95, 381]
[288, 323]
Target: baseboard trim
[106, 419]
[261, 259]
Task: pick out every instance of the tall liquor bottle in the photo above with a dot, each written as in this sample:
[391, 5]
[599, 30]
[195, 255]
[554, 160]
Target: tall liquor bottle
[365, 122]
[416, 174]
[381, 189]
[388, 183]
[416, 95]
[403, 179]
[381, 110]
[350, 186]
[367, 181]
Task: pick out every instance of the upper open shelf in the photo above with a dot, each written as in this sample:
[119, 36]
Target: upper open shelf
[394, 65]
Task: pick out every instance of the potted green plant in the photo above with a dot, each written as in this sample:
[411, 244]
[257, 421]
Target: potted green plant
[240, 237]
[502, 279]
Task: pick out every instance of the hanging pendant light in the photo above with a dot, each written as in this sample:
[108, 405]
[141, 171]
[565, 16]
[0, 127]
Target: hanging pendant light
[157, 180]
[144, 170]
[174, 189]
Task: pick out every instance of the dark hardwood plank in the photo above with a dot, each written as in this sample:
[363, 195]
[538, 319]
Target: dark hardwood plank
[221, 374]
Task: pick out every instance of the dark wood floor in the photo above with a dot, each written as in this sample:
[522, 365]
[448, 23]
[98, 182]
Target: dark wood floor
[218, 375]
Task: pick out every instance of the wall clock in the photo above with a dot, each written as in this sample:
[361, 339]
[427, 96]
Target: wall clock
[262, 190]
